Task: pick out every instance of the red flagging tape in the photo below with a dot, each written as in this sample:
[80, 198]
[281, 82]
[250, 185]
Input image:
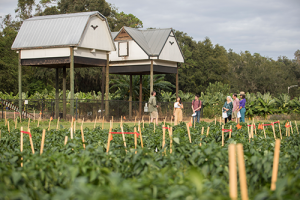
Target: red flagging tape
[137, 134]
[252, 125]
[226, 130]
[26, 133]
[271, 124]
[166, 128]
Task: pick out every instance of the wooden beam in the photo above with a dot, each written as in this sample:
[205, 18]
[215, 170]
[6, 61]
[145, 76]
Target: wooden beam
[107, 86]
[64, 92]
[151, 77]
[141, 95]
[20, 84]
[177, 85]
[130, 96]
[56, 95]
[72, 81]
[102, 90]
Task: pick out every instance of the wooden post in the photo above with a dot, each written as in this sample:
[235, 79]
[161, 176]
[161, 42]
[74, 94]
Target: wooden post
[296, 127]
[279, 130]
[202, 132]
[171, 140]
[8, 128]
[275, 164]
[135, 139]
[64, 92]
[141, 95]
[56, 95]
[72, 81]
[242, 172]
[82, 136]
[291, 127]
[232, 171]
[207, 131]
[71, 132]
[252, 126]
[230, 127]
[222, 135]
[188, 130]
[123, 138]
[20, 85]
[177, 81]
[163, 138]
[151, 77]
[43, 142]
[264, 130]
[21, 145]
[102, 90]
[273, 131]
[30, 140]
[130, 97]
[57, 126]
[141, 138]
[108, 140]
[66, 140]
[102, 122]
[107, 86]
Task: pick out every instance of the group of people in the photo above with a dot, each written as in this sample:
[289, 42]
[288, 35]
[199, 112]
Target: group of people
[232, 110]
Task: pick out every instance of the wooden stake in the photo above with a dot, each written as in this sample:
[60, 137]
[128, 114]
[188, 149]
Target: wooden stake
[279, 130]
[242, 172]
[291, 127]
[82, 137]
[202, 132]
[33, 115]
[171, 140]
[38, 122]
[232, 171]
[188, 130]
[102, 122]
[123, 135]
[31, 144]
[49, 124]
[108, 140]
[66, 140]
[135, 140]
[71, 132]
[95, 122]
[273, 131]
[43, 142]
[5, 117]
[222, 136]
[207, 131]
[252, 131]
[21, 145]
[254, 127]
[141, 138]
[8, 128]
[264, 130]
[275, 164]
[82, 121]
[163, 138]
[57, 126]
[230, 127]
[296, 127]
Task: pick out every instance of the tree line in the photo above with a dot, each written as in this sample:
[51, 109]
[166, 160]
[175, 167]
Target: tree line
[205, 63]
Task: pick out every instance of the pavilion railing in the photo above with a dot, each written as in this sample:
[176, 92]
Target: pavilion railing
[89, 109]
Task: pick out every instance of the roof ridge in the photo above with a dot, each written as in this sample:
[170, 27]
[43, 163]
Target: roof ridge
[66, 15]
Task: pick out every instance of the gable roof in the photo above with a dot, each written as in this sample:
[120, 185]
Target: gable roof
[152, 41]
[54, 30]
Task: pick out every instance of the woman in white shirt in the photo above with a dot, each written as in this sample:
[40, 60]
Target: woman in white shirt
[178, 106]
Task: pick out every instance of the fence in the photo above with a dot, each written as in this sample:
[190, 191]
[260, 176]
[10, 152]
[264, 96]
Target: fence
[89, 109]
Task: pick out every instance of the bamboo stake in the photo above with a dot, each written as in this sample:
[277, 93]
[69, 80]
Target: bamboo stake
[232, 171]
[57, 126]
[82, 121]
[30, 140]
[102, 122]
[49, 124]
[275, 164]
[8, 128]
[82, 137]
[163, 138]
[279, 130]
[5, 117]
[21, 145]
[273, 127]
[252, 130]
[123, 135]
[230, 127]
[139, 126]
[43, 142]
[66, 140]
[189, 134]
[202, 132]
[222, 136]
[291, 127]
[38, 122]
[171, 140]
[242, 172]
[296, 127]
[141, 138]
[108, 140]
[207, 131]
[264, 130]
[71, 132]
[16, 123]
[135, 140]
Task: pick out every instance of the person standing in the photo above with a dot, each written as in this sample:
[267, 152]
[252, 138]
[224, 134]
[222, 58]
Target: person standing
[236, 106]
[242, 106]
[196, 106]
[228, 108]
[153, 107]
[178, 106]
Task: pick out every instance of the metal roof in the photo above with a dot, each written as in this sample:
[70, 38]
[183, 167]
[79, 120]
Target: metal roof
[151, 41]
[53, 30]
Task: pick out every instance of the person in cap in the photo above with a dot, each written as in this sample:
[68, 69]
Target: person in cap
[242, 107]
[153, 107]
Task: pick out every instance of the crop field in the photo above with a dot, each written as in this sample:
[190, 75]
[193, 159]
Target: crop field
[165, 164]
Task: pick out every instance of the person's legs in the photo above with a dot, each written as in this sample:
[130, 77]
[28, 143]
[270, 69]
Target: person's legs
[225, 120]
[175, 118]
[198, 116]
[229, 117]
[243, 112]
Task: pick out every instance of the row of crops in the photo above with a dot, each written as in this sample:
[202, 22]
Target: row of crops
[67, 170]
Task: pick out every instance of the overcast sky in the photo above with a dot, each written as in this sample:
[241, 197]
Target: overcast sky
[268, 27]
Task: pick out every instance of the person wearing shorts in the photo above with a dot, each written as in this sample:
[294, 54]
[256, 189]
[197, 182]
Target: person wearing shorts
[236, 106]
[153, 107]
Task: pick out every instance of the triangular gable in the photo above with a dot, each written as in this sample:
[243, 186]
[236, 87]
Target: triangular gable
[122, 35]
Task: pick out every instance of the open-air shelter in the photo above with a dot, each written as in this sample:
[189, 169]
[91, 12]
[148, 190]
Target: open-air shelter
[77, 40]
